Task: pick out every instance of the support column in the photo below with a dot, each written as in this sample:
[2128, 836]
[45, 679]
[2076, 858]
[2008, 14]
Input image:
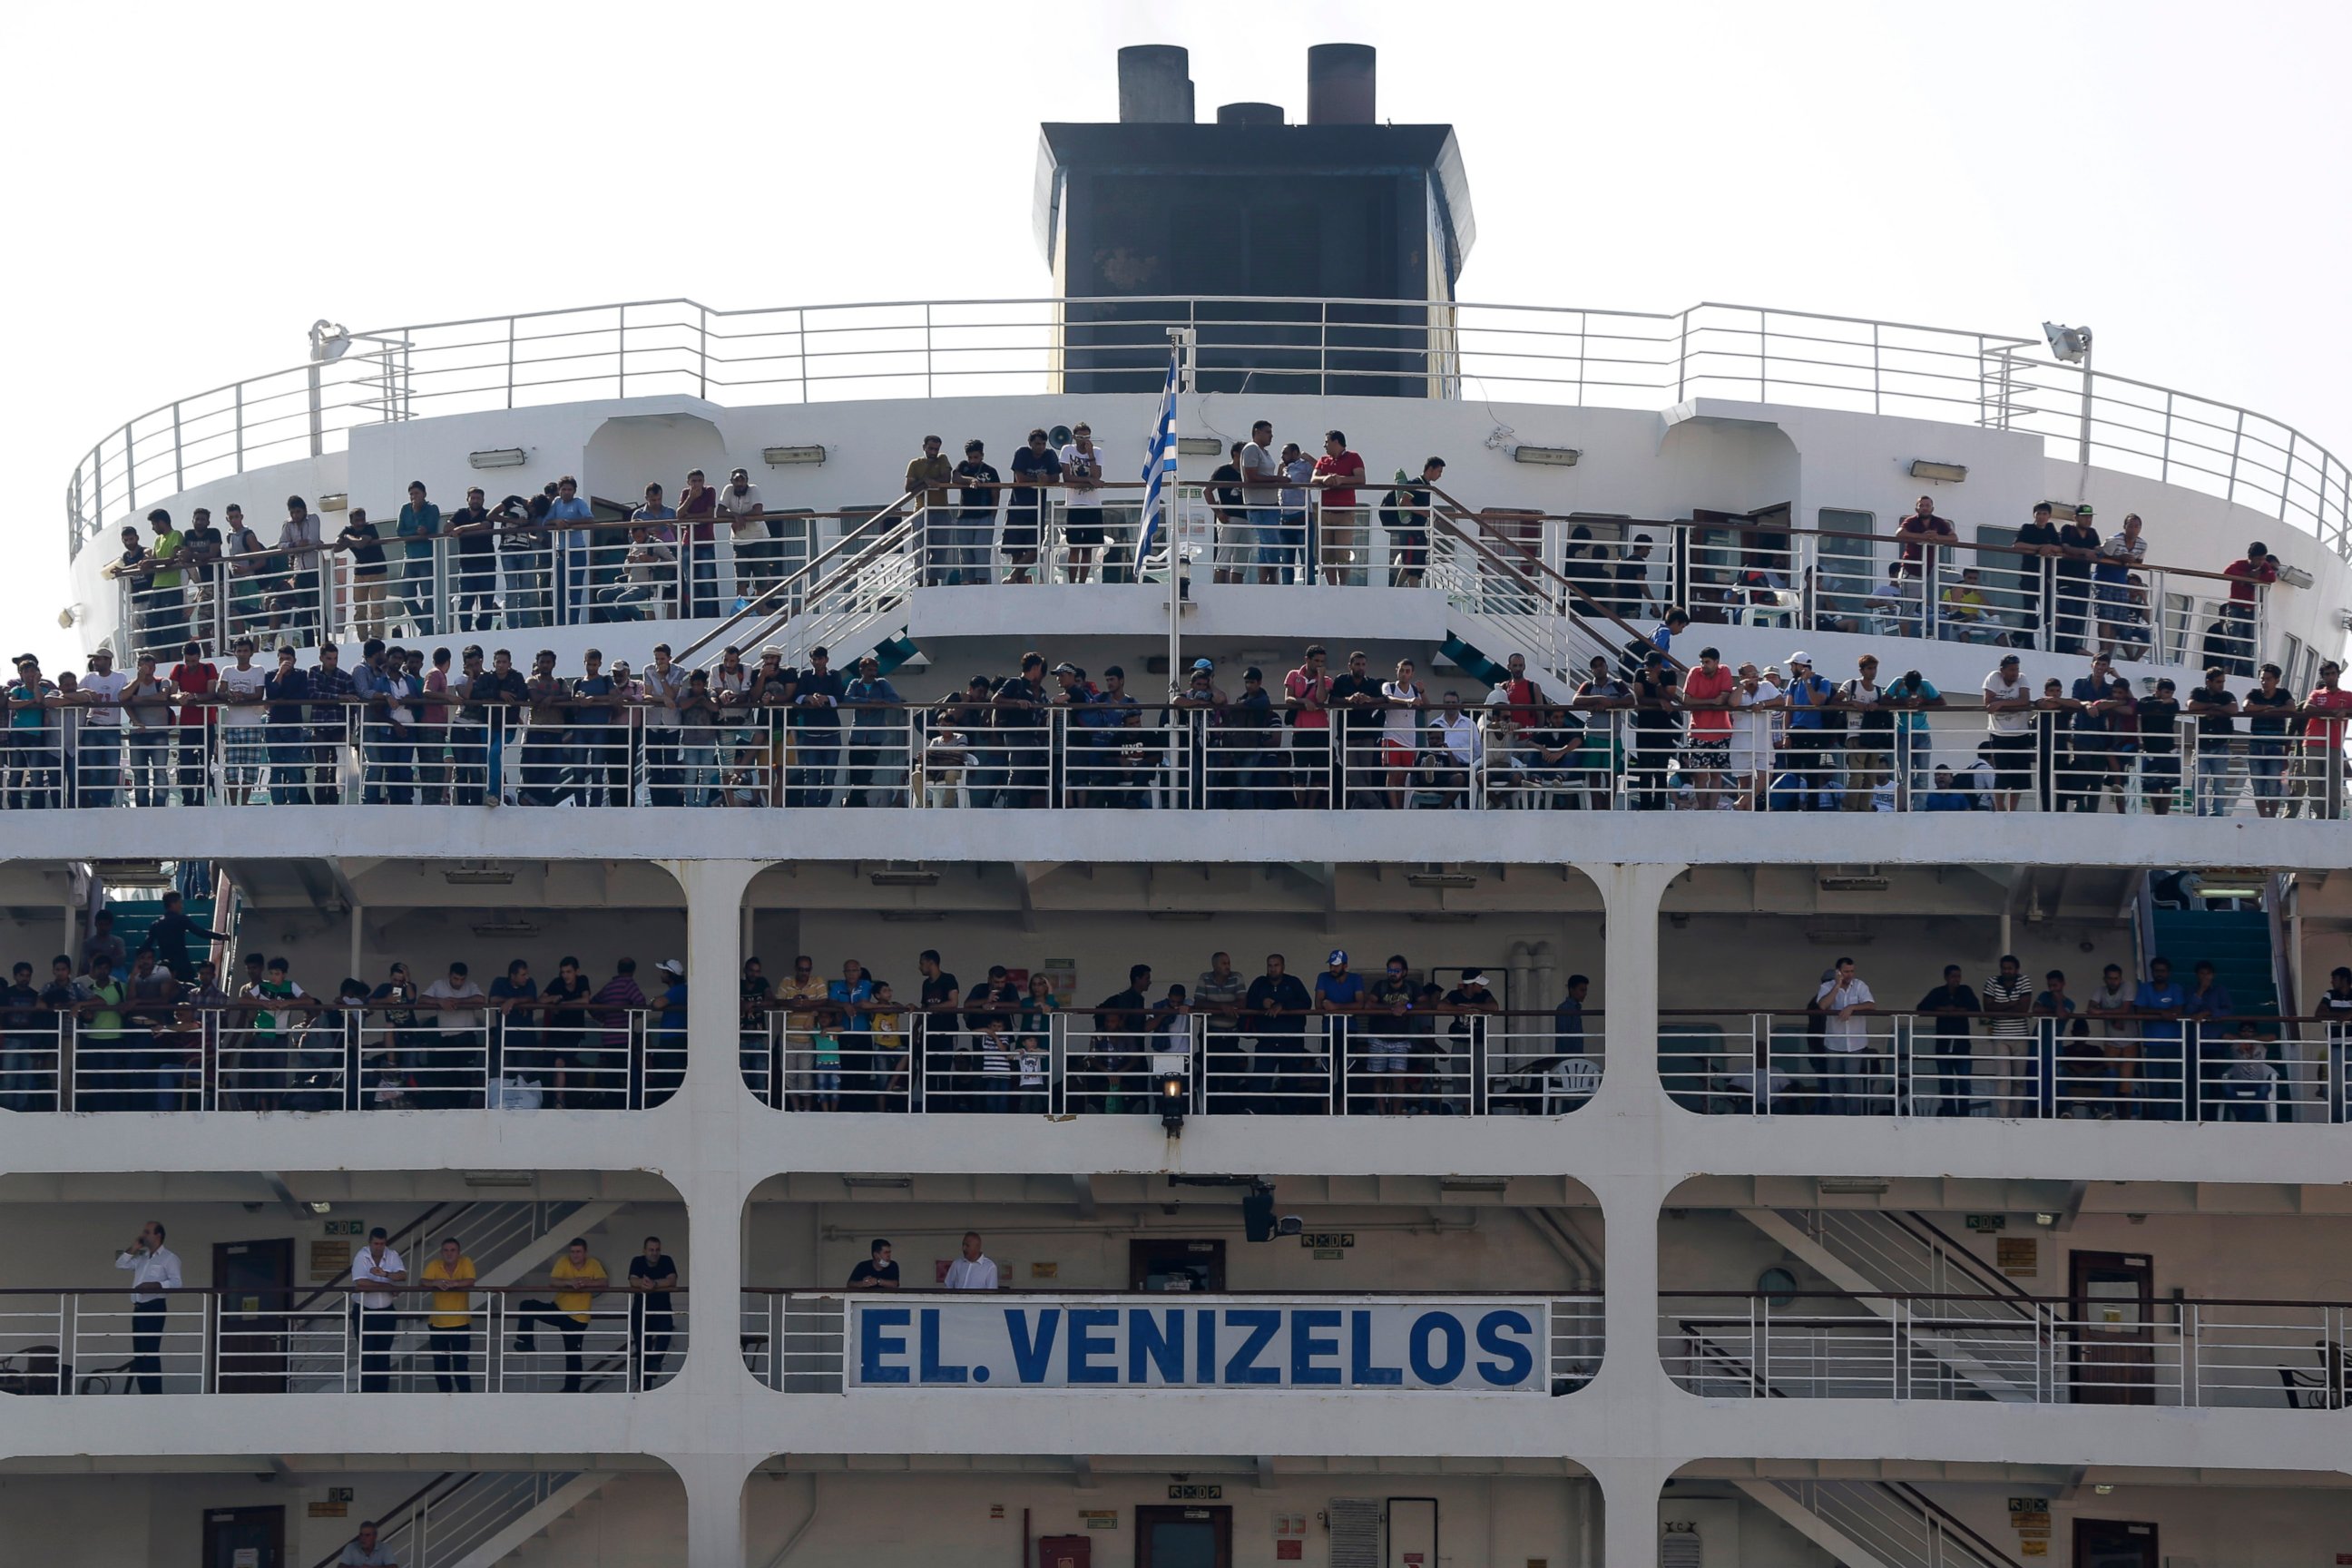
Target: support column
[702, 1156]
[1629, 969]
[1629, 1488]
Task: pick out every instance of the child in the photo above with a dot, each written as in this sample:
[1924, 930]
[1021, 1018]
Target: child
[995, 1064]
[2250, 1084]
[825, 1051]
[1032, 1064]
[885, 1033]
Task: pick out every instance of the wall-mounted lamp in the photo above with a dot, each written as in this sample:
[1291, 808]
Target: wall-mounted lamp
[1950, 473]
[498, 457]
[786, 457]
[1549, 457]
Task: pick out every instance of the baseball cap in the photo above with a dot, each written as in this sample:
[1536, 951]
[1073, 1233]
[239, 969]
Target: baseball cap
[1801, 657]
[671, 966]
[1339, 955]
[1204, 664]
[1474, 977]
[1066, 668]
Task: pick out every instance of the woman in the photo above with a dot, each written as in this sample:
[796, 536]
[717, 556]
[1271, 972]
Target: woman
[1402, 700]
[1034, 1025]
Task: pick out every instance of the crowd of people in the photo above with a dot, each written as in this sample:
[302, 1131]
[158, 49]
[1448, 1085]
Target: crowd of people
[401, 726]
[2153, 1047]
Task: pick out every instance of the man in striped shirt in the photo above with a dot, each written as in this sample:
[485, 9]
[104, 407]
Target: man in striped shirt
[2008, 999]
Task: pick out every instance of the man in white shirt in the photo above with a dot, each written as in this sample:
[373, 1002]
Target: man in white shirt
[2009, 718]
[377, 1265]
[155, 1268]
[1847, 1050]
[1457, 735]
[363, 1550]
[455, 1079]
[746, 514]
[101, 763]
[245, 747]
[975, 1270]
[1261, 476]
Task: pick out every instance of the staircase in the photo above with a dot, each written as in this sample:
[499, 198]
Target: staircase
[1868, 1251]
[1877, 1524]
[2237, 941]
[487, 1517]
[854, 588]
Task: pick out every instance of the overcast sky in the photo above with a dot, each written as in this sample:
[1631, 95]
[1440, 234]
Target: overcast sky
[192, 185]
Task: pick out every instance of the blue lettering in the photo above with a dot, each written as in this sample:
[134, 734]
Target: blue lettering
[1204, 1348]
[873, 1344]
[934, 1371]
[1363, 1374]
[1437, 1325]
[1031, 1357]
[1147, 1339]
[1261, 1322]
[1086, 1346]
[1306, 1345]
[1517, 1361]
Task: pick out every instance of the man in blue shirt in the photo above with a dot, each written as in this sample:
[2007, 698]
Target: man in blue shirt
[2209, 1005]
[1811, 743]
[850, 994]
[600, 735]
[666, 1040]
[1337, 991]
[420, 520]
[1916, 695]
[877, 762]
[2158, 1004]
[818, 719]
[565, 516]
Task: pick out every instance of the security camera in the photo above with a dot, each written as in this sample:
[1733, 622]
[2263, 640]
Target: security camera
[1290, 1224]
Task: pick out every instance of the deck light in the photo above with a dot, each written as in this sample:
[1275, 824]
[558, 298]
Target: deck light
[2071, 345]
[1551, 456]
[786, 456]
[1950, 473]
[498, 457]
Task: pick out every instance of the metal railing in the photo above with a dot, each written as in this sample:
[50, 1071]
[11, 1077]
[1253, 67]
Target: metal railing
[2034, 1066]
[1317, 347]
[796, 1339]
[2218, 1354]
[1600, 751]
[1432, 1060]
[349, 1339]
[93, 1055]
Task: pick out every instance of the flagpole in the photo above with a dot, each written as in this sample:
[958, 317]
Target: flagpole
[1180, 343]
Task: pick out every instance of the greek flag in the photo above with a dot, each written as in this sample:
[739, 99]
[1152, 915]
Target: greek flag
[1159, 467]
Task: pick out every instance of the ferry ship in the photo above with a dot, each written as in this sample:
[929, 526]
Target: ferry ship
[1378, 931]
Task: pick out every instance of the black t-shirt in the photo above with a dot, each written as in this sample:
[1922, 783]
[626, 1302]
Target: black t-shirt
[2076, 536]
[365, 550]
[992, 1000]
[472, 543]
[751, 993]
[869, 1269]
[572, 1012]
[661, 1270]
[1229, 495]
[2214, 723]
[1951, 996]
[2159, 724]
[1029, 464]
[201, 543]
[2038, 532]
[2272, 720]
[976, 474]
[1124, 1012]
[1360, 722]
[939, 987]
[1288, 994]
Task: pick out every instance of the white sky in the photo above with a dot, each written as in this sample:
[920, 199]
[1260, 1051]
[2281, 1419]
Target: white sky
[192, 185]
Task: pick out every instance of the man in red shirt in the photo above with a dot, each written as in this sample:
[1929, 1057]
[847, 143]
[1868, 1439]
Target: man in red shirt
[2259, 568]
[1308, 696]
[1707, 693]
[1338, 472]
[194, 680]
[2319, 770]
[1921, 528]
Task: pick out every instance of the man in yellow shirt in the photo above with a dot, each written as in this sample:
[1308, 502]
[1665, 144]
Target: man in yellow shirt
[568, 1314]
[449, 1327]
[799, 1024]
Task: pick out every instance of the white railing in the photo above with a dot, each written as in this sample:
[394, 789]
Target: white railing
[2021, 1067]
[87, 1056]
[1586, 753]
[1428, 1060]
[1896, 1523]
[799, 1341]
[2034, 1350]
[452, 1518]
[511, 1339]
[1315, 347]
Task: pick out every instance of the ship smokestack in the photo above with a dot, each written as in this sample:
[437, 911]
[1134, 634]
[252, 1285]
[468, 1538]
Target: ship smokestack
[1155, 87]
[1340, 81]
[1249, 114]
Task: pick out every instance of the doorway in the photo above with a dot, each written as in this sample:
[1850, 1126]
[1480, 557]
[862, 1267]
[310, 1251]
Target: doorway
[2112, 1544]
[245, 1538]
[255, 1281]
[1183, 1538]
[2113, 1306]
[1168, 1264]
